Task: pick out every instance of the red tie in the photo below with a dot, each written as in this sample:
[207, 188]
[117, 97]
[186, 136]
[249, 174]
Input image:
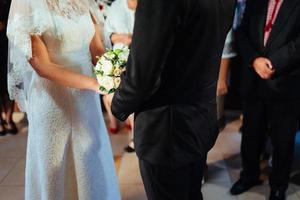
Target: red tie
[269, 25]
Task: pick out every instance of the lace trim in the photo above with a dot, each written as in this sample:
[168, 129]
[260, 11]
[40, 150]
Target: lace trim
[16, 83]
[67, 8]
[20, 28]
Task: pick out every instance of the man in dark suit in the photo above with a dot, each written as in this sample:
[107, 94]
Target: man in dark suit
[269, 43]
[170, 85]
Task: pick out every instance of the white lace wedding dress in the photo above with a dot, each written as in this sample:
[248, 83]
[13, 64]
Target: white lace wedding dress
[69, 154]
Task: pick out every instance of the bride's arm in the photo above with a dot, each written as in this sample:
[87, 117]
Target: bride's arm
[96, 47]
[42, 64]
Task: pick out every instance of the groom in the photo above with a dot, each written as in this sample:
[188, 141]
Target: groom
[170, 85]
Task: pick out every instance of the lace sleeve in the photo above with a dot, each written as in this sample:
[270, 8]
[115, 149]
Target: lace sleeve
[25, 18]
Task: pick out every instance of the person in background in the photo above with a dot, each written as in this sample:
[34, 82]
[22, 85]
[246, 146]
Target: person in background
[120, 22]
[104, 6]
[229, 53]
[222, 89]
[239, 14]
[119, 29]
[7, 125]
[269, 44]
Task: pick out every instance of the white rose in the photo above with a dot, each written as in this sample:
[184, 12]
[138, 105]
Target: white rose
[106, 82]
[98, 66]
[107, 67]
[117, 82]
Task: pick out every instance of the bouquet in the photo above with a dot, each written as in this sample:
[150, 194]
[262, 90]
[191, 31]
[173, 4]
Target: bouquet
[109, 68]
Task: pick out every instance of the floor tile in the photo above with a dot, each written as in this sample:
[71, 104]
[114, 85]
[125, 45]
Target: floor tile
[11, 193]
[133, 192]
[217, 191]
[16, 177]
[217, 172]
[6, 165]
[257, 193]
[119, 141]
[13, 146]
[129, 171]
[296, 190]
[262, 193]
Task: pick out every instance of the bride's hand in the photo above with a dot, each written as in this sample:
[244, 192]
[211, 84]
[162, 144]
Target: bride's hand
[95, 86]
[109, 98]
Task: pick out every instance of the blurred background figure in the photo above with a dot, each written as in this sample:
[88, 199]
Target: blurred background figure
[118, 30]
[229, 75]
[119, 23]
[239, 13]
[104, 6]
[229, 52]
[233, 100]
[7, 125]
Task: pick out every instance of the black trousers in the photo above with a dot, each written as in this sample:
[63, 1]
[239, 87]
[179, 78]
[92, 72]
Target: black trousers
[278, 120]
[166, 183]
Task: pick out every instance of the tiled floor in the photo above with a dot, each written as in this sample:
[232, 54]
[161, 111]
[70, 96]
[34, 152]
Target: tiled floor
[223, 170]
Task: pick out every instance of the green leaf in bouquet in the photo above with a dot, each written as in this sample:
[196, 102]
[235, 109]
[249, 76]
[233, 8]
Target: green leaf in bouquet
[118, 51]
[103, 89]
[110, 55]
[97, 72]
[111, 91]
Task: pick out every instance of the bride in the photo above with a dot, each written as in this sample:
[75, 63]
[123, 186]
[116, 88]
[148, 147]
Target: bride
[53, 44]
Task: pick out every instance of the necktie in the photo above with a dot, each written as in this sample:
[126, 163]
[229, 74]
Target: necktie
[269, 24]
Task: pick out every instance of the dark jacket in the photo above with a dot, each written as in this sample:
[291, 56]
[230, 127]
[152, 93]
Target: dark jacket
[4, 10]
[170, 82]
[282, 48]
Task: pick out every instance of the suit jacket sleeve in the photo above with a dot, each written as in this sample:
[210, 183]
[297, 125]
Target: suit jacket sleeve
[154, 32]
[245, 46]
[286, 56]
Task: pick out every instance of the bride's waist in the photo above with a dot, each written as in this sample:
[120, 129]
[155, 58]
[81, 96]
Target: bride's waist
[72, 59]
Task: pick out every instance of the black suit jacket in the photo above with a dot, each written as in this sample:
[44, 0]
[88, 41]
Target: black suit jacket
[282, 48]
[170, 82]
[4, 9]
